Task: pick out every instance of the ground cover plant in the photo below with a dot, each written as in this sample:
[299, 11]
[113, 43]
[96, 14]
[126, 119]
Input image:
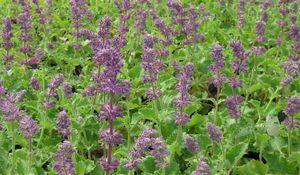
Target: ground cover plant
[149, 87]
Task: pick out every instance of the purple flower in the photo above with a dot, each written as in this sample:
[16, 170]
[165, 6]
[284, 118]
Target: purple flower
[293, 106]
[266, 4]
[232, 104]
[151, 64]
[56, 81]
[110, 112]
[108, 166]
[217, 53]
[202, 169]
[235, 82]
[90, 90]
[107, 54]
[140, 19]
[148, 143]
[48, 104]
[214, 132]
[238, 50]
[264, 17]
[294, 32]
[166, 30]
[64, 124]
[111, 137]
[241, 63]
[191, 144]
[219, 80]
[8, 106]
[153, 94]
[258, 50]
[39, 12]
[260, 30]
[68, 90]
[286, 80]
[183, 100]
[80, 12]
[126, 5]
[182, 86]
[28, 126]
[35, 84]
[7, 34]
[64, 163]
[241, 9]
[292, 69]
[188, 21]
[24, 19]
[182, 118]
[291, 122]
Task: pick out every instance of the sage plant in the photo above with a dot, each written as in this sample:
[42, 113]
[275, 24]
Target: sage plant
[64, 162]
[7, 44]
[148, 143]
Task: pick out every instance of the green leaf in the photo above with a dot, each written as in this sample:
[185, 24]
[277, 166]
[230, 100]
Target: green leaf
[236, 152]
[262, 140]
[253, 167]
[83, 166]
[195, 120]
[147, 113]
[295, 157]
[173, 167]
[148, 165]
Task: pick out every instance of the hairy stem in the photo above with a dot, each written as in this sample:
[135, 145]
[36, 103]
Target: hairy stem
[13, 145]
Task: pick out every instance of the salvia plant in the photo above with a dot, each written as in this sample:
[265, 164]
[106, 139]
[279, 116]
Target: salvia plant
[139, 87]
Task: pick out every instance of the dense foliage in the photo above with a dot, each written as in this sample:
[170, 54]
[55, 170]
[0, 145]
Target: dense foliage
[150, 87]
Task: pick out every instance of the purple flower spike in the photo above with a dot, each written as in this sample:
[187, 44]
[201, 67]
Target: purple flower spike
[111, 137]
[235, 82]
[108, 166]
[148, 143]
[191, 144]
[291, 123]
[110, 112]
[64, 124]
[183, 87]
[8, 106]
[232, 104]
[292, 69]
[241, 63]
[217, 53]
[202, 169]
[25, 20]
[68, 90]
[56, 81]
[64, 163]
[293, 106]
[28, 126]
[7, 35]
[214, 132]
[182, 118]
[35, 84]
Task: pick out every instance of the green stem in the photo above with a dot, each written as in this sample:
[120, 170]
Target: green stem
[179, 134]
[13, 146]
[271, 99]
[158, 119]
[217, 105]
[289, 142]
[129, 123]
[260, 153]
[30, 155]
[250, 83]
